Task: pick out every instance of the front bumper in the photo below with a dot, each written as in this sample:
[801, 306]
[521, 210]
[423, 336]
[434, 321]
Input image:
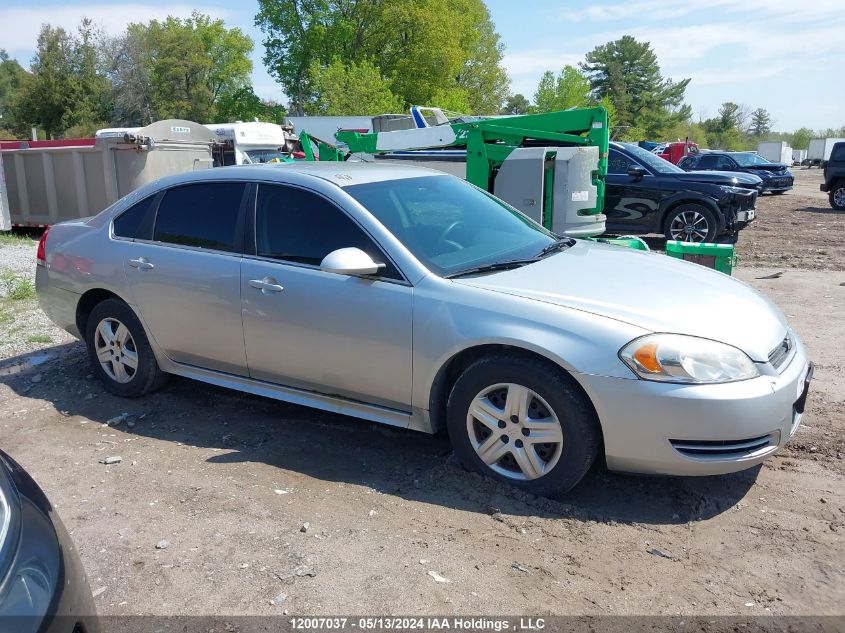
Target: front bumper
[778, 183]
[674, 429]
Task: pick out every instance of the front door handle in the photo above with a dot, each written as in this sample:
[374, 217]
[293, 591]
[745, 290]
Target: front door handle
[141, 264]
[267, 286]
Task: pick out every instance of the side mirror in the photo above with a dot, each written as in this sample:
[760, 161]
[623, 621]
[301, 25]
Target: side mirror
[637, 173]
[349, 261]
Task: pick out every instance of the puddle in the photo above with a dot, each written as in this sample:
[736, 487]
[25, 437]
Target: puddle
[26, 363]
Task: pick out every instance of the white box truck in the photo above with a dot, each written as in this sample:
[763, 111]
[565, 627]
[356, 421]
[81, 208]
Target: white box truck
[818, 152]
[799, 156]
[775, 151]
[251, 142]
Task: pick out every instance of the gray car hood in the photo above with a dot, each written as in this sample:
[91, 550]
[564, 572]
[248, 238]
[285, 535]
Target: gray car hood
[649, 290]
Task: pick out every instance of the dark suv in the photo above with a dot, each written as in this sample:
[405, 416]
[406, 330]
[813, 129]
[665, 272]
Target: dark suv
[646, 194]
[776, 177]
[834, 177]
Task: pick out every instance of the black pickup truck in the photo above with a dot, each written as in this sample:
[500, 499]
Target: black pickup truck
[834, 177]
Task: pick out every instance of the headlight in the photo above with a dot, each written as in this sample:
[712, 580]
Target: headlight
[739, 190]
[686, 359]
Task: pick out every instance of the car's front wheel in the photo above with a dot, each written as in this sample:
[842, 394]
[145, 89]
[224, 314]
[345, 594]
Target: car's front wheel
[120, 352]
[523, 422]
[690, 223]
[837, 196]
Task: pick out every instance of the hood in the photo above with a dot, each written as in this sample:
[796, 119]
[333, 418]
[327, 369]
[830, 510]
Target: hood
[727, 178]
[649, 290]
[768, 167]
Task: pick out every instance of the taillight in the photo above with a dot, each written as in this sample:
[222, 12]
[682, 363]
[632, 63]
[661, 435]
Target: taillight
[41, 254]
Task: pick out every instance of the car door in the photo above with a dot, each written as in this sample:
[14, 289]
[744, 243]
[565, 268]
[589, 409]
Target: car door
[630, 204]
[321, 331]
[707, 162]
[723, 163]
[185, 278]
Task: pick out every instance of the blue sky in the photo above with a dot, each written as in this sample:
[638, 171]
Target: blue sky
[783, 55]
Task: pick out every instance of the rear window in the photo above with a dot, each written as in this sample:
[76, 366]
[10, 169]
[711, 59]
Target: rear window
[838, 153]
[203, 215]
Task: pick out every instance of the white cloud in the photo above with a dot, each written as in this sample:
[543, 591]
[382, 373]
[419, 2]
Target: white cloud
[112, 18]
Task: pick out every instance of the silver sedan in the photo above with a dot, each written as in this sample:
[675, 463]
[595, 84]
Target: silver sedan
[412, 298]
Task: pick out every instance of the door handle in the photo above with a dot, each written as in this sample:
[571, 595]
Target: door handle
[267, 285]
[141, 264]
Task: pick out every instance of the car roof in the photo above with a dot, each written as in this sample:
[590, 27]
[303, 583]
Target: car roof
[342, 174]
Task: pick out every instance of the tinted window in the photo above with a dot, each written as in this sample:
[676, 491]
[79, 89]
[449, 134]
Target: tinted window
[618, 163]
[652, 161]
[128, 223]
[706, 162]
[687, 162]
[204, 215]
[724, 163]
[838, 153]
[299, 226]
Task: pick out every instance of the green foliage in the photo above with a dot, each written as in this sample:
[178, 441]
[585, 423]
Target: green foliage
[245, 105]
[12, 76]
[39, 338]
[517, 104]
[570, 89]
[627, 72]
[349, 89]
[16, 288]
[761, 123]
[801, 138]
[432, 52]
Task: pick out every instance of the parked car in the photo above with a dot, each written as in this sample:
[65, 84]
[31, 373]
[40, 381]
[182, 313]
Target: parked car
[776, 177]
[646, 194]
[410, 297]
[42, 583]
[834, 176]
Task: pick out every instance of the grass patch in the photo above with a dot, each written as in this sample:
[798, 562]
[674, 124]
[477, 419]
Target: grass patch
[16, 288]
[39, 338]
[7, 238]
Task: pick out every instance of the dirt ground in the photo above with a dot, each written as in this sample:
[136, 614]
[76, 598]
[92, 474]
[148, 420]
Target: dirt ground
[230, 481]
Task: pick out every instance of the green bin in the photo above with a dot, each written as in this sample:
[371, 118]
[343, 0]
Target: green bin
[629, 241]
[717, 256]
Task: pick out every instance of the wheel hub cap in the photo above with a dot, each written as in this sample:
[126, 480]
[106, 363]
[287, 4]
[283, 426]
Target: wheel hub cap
[116, 350]
[689, 226]
[514, 431]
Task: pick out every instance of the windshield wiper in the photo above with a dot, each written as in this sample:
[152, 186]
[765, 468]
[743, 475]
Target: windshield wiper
[557, 245]
[507, 265]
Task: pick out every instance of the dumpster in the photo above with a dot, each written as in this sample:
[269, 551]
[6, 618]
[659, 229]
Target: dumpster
[45, 185]
[717, 256]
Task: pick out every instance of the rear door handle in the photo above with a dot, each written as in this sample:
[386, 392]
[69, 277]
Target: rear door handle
[141, 264]
[267, 286]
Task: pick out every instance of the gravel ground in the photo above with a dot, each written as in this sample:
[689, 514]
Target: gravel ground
[271, 508]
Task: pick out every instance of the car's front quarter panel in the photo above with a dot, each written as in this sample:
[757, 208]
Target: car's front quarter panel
[450, 317]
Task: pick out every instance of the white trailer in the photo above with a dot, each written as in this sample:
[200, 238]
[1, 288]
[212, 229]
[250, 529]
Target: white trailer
[818, 152]
[775, 151]
[799, 156]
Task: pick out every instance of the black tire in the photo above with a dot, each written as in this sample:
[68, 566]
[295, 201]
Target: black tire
[779, 193]
[581, 434]
[712, 226]
[147, 376]
[838, 191]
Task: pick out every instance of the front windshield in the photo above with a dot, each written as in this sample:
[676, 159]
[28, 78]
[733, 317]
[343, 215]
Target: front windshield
[449, 225]
[652, 161]
[265, 155]
[747, 159]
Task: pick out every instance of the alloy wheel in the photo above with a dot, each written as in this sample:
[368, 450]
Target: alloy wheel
[839, 197]
[116, 350]
[514, 431]
[689, 226]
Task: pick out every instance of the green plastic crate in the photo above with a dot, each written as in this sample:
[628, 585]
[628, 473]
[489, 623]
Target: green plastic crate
[716, 256]
[629, 241]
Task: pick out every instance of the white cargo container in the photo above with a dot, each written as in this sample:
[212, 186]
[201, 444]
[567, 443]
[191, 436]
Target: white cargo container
[798, 156]
[818, 152]
[45, 185]
[775, 151]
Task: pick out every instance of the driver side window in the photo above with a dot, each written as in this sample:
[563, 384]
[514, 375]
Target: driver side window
[618, 163]
[299, 226]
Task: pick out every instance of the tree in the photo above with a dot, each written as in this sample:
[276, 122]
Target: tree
[128, 61]
[438, 52]
[801, 138]
[12, 75]
[761, 123]
[516, 104]
[570, 89]
[627, 72]
[349, 89]
[245, 105]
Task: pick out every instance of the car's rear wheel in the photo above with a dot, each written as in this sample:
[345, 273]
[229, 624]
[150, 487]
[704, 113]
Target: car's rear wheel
[120, 352]
[690, 223]
[837, 196]
[522, 421]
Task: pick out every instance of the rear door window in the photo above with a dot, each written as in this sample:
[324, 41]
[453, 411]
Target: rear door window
[131, 223]
[204, 215]
[707, 162]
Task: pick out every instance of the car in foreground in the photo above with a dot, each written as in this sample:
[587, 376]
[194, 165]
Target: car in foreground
[776, 177]
[43, 587]
[834, 177]
[647, 194]
[410, 297]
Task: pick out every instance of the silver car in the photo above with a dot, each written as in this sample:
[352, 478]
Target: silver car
[409, 297]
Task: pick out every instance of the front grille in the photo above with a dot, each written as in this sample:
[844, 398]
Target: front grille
[724, 449]
[779, 355]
